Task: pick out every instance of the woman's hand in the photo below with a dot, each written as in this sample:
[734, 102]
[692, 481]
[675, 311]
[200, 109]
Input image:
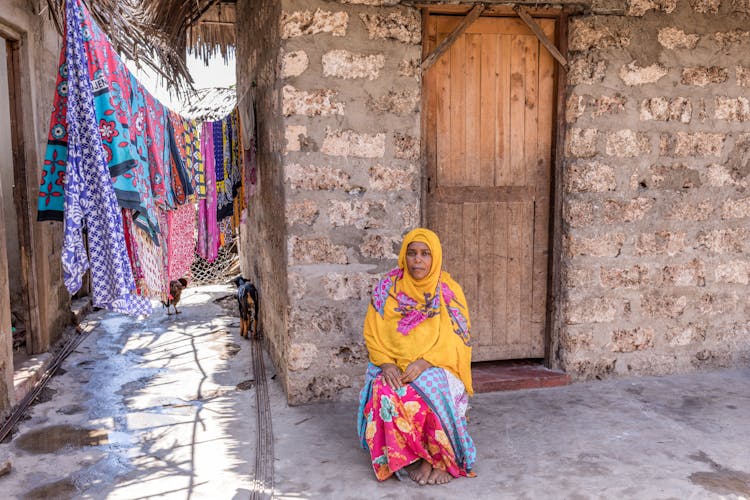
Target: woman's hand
[391, 375]
[414, 370]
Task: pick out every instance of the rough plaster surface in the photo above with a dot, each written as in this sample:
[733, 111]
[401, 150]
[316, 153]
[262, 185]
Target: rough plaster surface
[655, 210]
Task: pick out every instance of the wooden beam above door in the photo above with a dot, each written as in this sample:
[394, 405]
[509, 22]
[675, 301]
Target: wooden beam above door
[443, 46]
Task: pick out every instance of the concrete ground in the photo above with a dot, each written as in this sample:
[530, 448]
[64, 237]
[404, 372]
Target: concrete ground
[166, 408]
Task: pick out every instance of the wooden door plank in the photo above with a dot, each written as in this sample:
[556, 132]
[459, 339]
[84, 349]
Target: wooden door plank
[443, 82]
[526, 227]
[502, 134]
[473, 108]
[488, 109]
[453, 250]
[454, 35]
[486, 275]
[543, 38]
[455, 174]
[531, 78]
[500, 281]
[471, 253]
[515, 251]
[517, 110]
[484, 25]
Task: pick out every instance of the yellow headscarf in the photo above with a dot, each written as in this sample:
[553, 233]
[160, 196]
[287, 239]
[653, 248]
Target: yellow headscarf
[398, 330]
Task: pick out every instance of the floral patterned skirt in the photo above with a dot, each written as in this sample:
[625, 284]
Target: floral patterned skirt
[401, 429]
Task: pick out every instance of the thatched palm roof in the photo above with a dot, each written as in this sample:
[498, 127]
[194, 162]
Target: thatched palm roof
[156, 33]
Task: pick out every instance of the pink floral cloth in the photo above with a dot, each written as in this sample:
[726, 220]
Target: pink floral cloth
[401, 429]
[180, 241]
[208, 229]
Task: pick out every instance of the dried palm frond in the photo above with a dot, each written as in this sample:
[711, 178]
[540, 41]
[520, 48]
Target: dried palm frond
[154, 33]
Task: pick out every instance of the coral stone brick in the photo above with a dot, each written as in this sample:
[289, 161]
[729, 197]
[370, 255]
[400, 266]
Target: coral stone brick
[586, 70]
[349, 65]
[404, 26]
[698, 144]
[607, 245]
[608, 105]
[316, 251]
[660, 243]
[300, 23]
[294, 63]
[597, 33]
[351, 143]
[666, 109]
[618, 211]
[674, 38]
[579, 213]
[657, 305]
[733, 271]
[305, 212]
[627, 277]
[705, 6]
[591, 310]
[731, 109]
[316, 103]
[736, 209]
[393, 179]
[632, 74]
[581, 143]
[627, 144]
[692, 273]
[743, 76]
[347, 286]
[377, 246]
[703, 75]
[637, 339]
[640, 7]
[316, 178]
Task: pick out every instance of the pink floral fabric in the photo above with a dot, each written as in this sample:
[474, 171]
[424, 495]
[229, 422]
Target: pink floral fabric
[180, 240]
[401, 428]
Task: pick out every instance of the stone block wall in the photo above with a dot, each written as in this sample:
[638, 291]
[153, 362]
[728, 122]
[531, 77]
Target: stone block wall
[656, 255]
[263, 232]
[50, 309]
[350, 99]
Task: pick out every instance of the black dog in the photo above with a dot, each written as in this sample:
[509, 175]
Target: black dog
[247, 297]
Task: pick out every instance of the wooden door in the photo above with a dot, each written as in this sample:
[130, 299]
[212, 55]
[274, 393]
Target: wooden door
[489, 104]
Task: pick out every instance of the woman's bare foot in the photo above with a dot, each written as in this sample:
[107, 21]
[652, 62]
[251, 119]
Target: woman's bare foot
[439, 476]
[421, 473]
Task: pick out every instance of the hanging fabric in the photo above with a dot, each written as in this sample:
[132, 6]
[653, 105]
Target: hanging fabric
[89, 196]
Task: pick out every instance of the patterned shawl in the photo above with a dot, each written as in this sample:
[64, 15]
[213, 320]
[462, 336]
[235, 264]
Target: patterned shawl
[409, 319]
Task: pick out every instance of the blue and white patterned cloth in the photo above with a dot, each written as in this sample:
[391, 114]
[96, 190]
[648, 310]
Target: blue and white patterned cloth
[90, 200]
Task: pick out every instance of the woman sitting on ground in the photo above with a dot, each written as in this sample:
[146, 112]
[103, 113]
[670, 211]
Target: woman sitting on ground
[412, 408]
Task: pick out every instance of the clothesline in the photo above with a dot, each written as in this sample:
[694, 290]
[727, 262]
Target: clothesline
[130, 172]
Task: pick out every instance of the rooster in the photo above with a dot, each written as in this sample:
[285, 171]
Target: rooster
[175, 290]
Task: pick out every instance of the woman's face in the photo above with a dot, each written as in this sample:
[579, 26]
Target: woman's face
[418, 259]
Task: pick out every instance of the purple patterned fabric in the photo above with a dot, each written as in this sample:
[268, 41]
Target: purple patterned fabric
[460, 325]
[383, 288]
[90, 200]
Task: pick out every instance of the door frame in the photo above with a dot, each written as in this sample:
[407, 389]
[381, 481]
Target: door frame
[36, 341]
[553, 314]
